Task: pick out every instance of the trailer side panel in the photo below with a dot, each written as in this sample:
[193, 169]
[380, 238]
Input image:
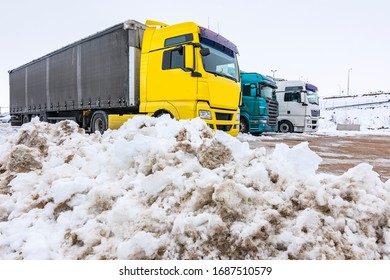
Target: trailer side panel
[90, 74]
[104, 70]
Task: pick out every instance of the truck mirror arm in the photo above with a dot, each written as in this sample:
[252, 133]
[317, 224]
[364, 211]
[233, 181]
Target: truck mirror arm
[192, 69]
[193, 72]
[203, 51]
[196, 74]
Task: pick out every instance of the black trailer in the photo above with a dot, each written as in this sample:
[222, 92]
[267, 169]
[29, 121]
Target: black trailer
[83, 81]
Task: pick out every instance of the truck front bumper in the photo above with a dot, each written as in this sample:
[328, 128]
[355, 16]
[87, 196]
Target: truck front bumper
[261, 125]
[220, 119]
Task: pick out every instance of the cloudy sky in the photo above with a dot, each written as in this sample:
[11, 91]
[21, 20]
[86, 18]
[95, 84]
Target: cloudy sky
[314, 40]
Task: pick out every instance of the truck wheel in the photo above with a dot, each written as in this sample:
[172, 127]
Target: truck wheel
[161, 113]
[286, 127]
[244, 126]
[99, 122]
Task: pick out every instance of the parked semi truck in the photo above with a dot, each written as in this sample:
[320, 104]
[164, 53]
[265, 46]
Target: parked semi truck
[259, 108]
[183, 70]
[298, 106]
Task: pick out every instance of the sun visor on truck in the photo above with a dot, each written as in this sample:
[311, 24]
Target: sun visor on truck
[211, 35]
[311, 87]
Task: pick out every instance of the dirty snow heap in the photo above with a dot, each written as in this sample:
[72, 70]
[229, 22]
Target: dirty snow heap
[167, 189]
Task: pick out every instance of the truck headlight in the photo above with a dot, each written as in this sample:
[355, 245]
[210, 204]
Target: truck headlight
[204, 114]
[238, 117]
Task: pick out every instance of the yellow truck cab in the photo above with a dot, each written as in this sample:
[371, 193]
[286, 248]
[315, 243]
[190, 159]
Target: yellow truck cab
[184, 70]
[189, 71]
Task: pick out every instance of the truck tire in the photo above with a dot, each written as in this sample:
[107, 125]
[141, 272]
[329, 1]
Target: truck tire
[42, 117]
[99, 122]
[286, 127]
[25, 119]
[244, 125]
[161, 113]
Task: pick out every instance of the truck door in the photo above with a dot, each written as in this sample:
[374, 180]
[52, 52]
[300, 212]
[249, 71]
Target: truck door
[294, 108]
[249, 98]
[170, 80]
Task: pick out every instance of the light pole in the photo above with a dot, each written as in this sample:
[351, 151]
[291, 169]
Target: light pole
[273, 73]
[349, 70]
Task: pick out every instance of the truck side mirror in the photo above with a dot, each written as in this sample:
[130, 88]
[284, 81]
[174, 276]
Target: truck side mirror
[189, 57]
[204, 51]
[303, 99]
[254, 90]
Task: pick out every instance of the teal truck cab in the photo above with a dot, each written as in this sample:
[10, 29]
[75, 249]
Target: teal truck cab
[259, 108]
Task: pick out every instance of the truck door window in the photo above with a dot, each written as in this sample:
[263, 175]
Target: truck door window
[292, 97]
[173, 59]
[293, 94]
[246, 90]
[249, 90]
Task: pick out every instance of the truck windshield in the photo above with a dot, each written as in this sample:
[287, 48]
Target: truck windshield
[267, 92]
[312, 97]
[220, 63]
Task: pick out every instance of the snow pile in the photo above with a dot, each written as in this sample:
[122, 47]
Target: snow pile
[166, 189]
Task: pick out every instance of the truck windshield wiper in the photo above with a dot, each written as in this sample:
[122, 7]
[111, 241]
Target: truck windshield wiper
[222, 74]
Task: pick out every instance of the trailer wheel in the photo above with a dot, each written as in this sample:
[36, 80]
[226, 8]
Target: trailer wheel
[25, 119]
[286, 127]
[244, 126]
[99, 122]
[42, 117]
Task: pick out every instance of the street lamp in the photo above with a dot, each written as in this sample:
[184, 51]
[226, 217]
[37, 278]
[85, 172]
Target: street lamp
[273, 73]
[349, 70]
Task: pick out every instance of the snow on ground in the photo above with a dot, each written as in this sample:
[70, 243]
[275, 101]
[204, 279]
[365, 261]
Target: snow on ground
[375, 120]
[348, 100]
[166, 189]
[373, 115]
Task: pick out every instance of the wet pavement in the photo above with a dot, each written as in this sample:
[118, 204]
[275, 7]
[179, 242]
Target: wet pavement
[339, 153]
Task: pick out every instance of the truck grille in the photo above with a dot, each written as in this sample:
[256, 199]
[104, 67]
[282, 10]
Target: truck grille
[224, 127]
[273, 112]
[223, 116]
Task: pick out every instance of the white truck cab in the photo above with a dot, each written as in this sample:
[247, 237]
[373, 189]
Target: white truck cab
[298, 106]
